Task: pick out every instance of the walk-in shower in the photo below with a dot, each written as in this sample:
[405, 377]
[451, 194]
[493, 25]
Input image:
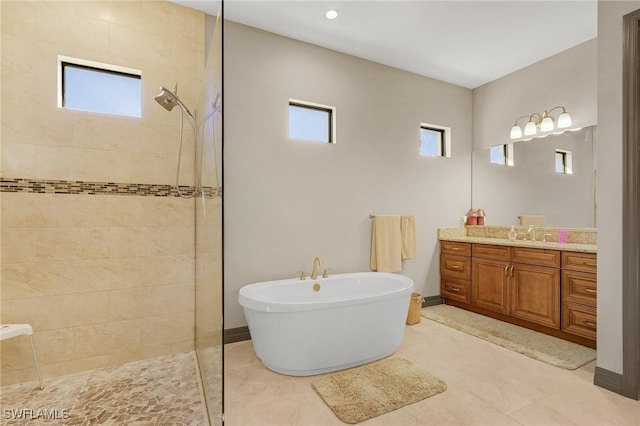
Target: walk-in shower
[168, 100]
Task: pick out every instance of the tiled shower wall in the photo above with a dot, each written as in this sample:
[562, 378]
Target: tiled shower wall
[104, 279]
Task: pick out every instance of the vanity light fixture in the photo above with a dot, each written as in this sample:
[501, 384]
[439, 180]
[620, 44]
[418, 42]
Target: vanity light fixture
[544, 122]
[331, 14]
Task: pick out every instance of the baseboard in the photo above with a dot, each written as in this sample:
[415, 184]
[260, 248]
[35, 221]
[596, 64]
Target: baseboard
[432, 301]
[609, 380]
[238, 334]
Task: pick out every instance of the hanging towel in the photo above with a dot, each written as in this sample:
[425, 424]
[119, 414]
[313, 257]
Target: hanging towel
[408, 232]
[386, 244]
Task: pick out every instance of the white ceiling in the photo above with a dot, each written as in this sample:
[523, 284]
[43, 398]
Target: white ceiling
[467, 43]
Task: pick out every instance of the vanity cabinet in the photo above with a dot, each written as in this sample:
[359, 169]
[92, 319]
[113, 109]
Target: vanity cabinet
[520, 282]
[552, 291]
[579, 294]
[455, 271]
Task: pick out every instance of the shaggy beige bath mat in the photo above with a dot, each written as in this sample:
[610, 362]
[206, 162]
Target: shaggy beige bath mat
[371, 390]
[533, 344]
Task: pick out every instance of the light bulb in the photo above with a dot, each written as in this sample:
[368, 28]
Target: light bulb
[547, 124]
[564, 120]
[530, 128]
[332, 14]
[516, 132]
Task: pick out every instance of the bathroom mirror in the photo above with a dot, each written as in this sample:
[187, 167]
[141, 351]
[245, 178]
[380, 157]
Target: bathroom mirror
[533, 186]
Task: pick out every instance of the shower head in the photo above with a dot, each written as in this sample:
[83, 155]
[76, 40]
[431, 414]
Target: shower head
[166, 99]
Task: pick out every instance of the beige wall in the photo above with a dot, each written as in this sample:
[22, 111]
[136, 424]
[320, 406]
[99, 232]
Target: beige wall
[568, 78]
[286, 201]
[103, 279]
[610, 41]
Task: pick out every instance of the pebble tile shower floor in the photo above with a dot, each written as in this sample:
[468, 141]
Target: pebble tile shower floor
[158, 391]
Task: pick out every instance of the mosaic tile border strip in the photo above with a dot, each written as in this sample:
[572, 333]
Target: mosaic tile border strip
[48, 186]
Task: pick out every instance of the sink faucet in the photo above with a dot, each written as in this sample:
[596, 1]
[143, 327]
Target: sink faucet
[314, 272]
[531, 231]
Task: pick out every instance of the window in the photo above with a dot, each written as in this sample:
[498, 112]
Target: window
[564, 162]
[435, 141]
[312, 122]
[96, 87]
[502, 154]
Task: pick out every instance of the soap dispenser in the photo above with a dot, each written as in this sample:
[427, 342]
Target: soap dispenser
[512, 233]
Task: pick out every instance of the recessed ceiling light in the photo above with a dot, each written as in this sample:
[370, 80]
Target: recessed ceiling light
[332, 14]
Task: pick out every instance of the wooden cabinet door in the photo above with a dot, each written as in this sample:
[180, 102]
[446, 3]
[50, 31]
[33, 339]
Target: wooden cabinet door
[489, 285]
[535, 294]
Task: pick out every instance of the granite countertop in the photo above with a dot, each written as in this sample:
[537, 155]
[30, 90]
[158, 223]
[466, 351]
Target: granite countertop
[459, 235]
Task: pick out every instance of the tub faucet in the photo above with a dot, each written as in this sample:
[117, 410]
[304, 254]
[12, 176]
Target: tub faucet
[314, 272]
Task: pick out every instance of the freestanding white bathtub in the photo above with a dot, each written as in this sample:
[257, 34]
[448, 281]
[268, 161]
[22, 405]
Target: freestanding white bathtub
[345, 321]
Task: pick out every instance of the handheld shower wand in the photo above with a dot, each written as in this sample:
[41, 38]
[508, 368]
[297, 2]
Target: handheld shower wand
[168, 100]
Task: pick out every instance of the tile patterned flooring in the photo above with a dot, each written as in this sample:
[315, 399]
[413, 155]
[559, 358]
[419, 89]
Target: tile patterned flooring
[487, 385]
[157, 391]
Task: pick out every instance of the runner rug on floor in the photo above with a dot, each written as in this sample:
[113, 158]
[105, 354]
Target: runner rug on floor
[542, 347]
[371, 390]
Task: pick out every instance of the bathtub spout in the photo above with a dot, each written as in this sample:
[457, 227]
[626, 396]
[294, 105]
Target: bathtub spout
[314, 272]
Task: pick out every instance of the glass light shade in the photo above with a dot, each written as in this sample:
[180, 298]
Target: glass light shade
[516, 132]
[331, 14]
[564, 120]
[547, 124]
[530, 128]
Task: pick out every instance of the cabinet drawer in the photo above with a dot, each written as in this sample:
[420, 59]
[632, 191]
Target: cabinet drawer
[539, 257]
[584, 262]
[459, 249]
[455, 267]
[486, 251]
[579, 287]
[455, 290]
[579, 319]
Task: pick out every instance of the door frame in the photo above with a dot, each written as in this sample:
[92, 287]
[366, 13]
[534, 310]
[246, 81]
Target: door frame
[631, 207]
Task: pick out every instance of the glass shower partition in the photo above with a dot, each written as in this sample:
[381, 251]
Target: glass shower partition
[208, 227]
